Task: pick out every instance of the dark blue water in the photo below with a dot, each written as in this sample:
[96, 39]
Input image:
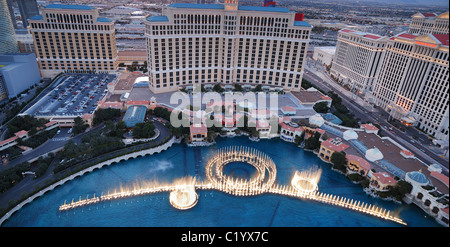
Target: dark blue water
[214, 208]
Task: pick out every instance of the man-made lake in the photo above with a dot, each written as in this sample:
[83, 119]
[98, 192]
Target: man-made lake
[214, 208]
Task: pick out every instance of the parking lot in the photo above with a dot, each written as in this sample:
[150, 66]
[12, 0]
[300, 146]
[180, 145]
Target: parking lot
[75, 95]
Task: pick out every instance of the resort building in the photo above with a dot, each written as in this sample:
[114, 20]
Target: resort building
[132, 57]
[382, 181]
[357, 59]
[73, 37]
[423, 23]
[288, 111]
[226, 43]
[264, 129]
[330, 146]
[356, 164]
[324, 54]
[413, 82]
[134, 115]
[369, 128]
[199, 132]
[427, 196]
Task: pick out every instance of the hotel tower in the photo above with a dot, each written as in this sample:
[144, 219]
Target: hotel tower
[226, 43]
[357, 58]
[73, 37]
[413, 82]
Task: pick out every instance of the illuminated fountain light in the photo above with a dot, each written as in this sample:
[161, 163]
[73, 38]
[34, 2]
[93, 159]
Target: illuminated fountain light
[184, 196]
[306, 181]
[256, 185]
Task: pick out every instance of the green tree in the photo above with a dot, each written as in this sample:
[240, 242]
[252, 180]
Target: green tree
[238, 88]
[321, 107]
[218, 88]
[258, 88]
[299, 139]
[400, 190]
[339, 161]
[313, 142]
[102, 115]
[79, 126]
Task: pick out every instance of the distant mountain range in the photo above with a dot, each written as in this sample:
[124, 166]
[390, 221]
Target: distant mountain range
[412, 2]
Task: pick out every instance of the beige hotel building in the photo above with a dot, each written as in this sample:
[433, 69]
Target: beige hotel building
[423, 23]
[226, 43]
[413, 82]
[357, 59]
[73, 37]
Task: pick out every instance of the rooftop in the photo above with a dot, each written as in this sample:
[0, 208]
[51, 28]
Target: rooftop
[157, 18]
[198, 129]
[361, 161]
[221, 6]
[335, 144]
[443, 38]
[37, 17]
[196, 6]
[362, 34]
[384, 178]
[103, 19]
[135, 114]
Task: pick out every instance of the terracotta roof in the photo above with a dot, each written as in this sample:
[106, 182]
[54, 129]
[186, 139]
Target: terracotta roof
[262, 124]
[369, 127]
[21, 133]
[8, 140]
[371, 36]
[335, 145]
[384, 178]
[287, 108]
[138, 102]
[290, 128]
[445, 210]
[347, 30]
[321, 131]
[50, 123]
[112, 105]
[407, 36]
[443, 38]
[361, 161]
[198, 129]
[441, 177]
[429, 14]
[407, 153]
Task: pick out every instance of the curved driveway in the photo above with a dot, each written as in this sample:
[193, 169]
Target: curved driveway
[28, 184]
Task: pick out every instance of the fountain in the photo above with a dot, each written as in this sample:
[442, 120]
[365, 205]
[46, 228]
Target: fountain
[183, 195]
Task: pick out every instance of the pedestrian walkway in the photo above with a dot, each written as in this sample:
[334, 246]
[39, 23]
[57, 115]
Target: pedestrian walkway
[60, 139]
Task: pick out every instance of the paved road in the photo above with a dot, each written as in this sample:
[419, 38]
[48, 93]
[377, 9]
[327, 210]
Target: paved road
[421, 149]
[28, 184]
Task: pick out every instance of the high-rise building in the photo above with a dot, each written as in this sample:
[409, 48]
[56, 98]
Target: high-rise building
[8, 42]
[73, 37]
[413, 82]
[423, 23]
[357, 59]
[226, 43]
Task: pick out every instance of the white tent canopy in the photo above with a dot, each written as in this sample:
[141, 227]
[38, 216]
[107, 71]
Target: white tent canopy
[316, 120]
[350, 135]
[374, 154]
